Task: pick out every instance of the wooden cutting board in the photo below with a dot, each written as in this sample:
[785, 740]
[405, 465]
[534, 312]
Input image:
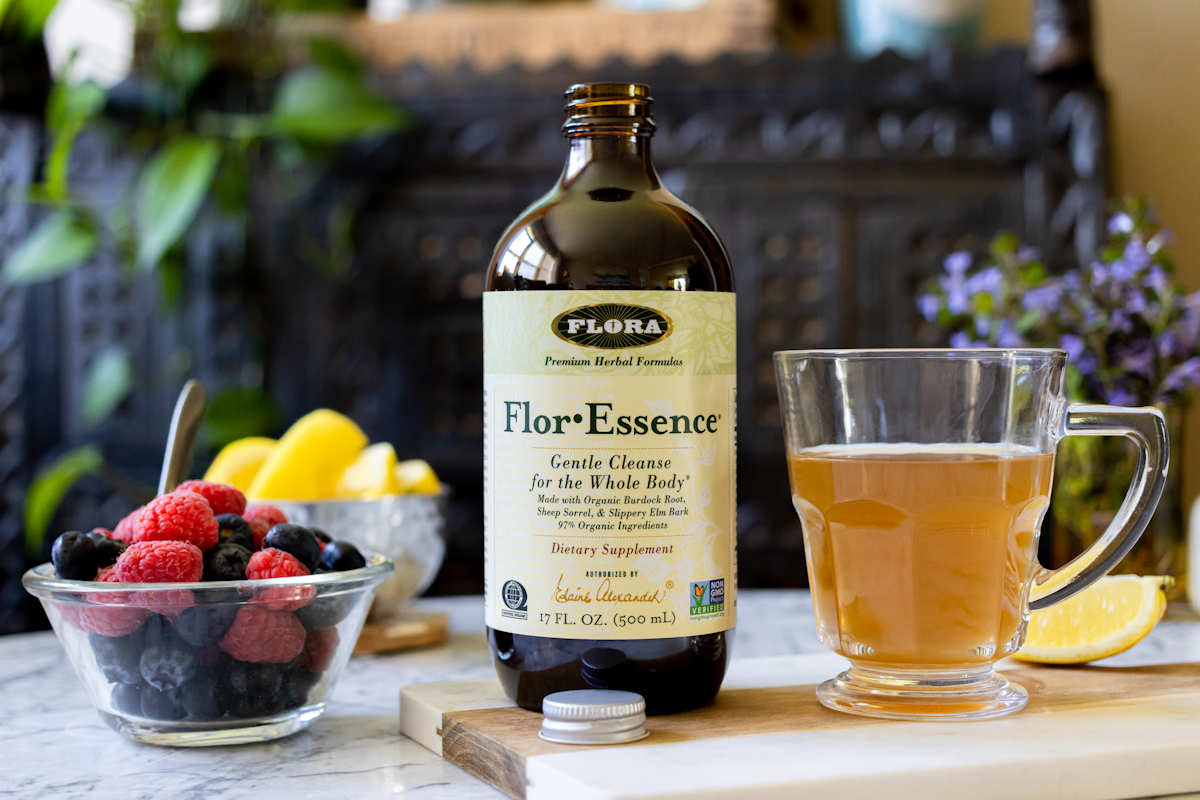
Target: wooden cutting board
[1088, 732]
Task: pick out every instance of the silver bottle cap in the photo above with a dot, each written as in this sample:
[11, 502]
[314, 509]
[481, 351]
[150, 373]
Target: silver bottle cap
[593, 716]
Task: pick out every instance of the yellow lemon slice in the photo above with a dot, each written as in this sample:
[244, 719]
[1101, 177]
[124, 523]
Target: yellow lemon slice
[1109, 617]
[309, 459]
[417, 477]
[372, 475]
[239, 461]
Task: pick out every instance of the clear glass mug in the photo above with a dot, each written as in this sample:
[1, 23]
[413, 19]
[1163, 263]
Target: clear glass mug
[921, 478]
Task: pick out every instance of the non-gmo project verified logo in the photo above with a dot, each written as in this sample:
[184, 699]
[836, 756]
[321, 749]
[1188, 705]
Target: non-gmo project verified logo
[708, 598]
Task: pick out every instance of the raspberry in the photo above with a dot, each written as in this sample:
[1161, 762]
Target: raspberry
[222, 498]
[104, 621]
[319, 648]
[121, 619]
[160, 562]
[124, 529]
[272, 563]
[262, 519]
[178, 516]
[260, 635]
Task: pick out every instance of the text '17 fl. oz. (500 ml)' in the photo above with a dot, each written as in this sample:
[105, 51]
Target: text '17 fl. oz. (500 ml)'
[609, 428]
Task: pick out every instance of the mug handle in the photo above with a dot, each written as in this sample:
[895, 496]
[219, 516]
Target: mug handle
[1147, 429]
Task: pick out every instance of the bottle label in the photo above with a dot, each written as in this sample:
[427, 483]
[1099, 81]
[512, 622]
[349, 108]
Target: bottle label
[609, 463]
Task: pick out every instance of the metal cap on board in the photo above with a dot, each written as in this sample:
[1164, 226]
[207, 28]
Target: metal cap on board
[593, 716]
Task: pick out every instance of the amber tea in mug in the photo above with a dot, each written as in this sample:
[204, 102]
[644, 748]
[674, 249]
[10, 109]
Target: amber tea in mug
[921, 478]
[920, 554]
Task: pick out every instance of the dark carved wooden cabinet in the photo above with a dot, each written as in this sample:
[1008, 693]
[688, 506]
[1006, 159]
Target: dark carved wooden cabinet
[838, 186]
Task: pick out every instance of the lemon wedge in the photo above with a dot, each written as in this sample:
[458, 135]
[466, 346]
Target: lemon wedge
[239, 461]
[416, 477]
[1109, 617]
[309, 459]
[372, 475]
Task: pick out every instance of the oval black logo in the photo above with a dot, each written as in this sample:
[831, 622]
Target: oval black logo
[612, 326]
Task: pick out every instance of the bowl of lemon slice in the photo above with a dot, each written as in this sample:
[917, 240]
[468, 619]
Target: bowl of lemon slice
[324, 473]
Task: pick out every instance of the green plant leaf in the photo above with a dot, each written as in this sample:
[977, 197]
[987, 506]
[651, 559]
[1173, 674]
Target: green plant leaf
[1005, 244]
[1033, 274]
[169, 193]
[238, 412]
[334, 56]
[48, 489]
[68, 108]
[107, 382]
[56, 246]
[29, 16]
[320, 105]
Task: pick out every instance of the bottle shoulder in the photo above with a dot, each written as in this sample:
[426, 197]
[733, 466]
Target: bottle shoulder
[610, 238]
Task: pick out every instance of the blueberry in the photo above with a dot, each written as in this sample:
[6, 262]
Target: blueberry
[297, 681]
[74, 556]
[127, 697]
[297, 540]
[226, 562]
[341, 556]
[255, 679]
[203, 625]
[157, 704]
[327, 611]
[157, 630]
[167, 666]
[235, 530]
[201, 698]
[107, 548]
[255, 689]
[118, 656]
[321, 535]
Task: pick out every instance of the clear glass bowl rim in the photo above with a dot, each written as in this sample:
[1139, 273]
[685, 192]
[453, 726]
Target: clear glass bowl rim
[965, 353]
[444, 493]
[39, 581]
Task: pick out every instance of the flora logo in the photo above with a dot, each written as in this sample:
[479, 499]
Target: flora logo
[612, 326]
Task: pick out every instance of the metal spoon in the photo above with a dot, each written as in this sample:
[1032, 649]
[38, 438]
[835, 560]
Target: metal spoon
[185, 423]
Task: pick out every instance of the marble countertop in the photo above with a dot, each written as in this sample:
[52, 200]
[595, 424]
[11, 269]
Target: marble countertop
[55, 745]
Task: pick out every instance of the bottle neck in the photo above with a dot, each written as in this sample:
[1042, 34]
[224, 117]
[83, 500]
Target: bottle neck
[609, 160]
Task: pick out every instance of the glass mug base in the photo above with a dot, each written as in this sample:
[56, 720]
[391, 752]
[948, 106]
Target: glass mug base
[922, 694]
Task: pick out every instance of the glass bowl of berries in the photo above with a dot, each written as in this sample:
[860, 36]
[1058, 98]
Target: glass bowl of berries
[199, 621]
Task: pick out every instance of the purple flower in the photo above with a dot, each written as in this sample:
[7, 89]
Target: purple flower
[982, 325]
[1136, 356]
[1158, 279]
[1119, 321]
[1159, 241]
[1027, 253]
[987, 281]
[957, 262]
[1184, 336]
[1042, 298]
[961, 339]
[1135, 303]
[956, 293]
[1099, 275]
[1122, 271]
[1120, 223]
[929, 305]
[1087, 363]
[1007, 336]
[1072, 280]
[1184, 376]
[1136, 254]
[1073, 345]
[1119, 395]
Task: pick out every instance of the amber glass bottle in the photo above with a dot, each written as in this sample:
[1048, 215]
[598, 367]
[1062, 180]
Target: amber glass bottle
[609, 348]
